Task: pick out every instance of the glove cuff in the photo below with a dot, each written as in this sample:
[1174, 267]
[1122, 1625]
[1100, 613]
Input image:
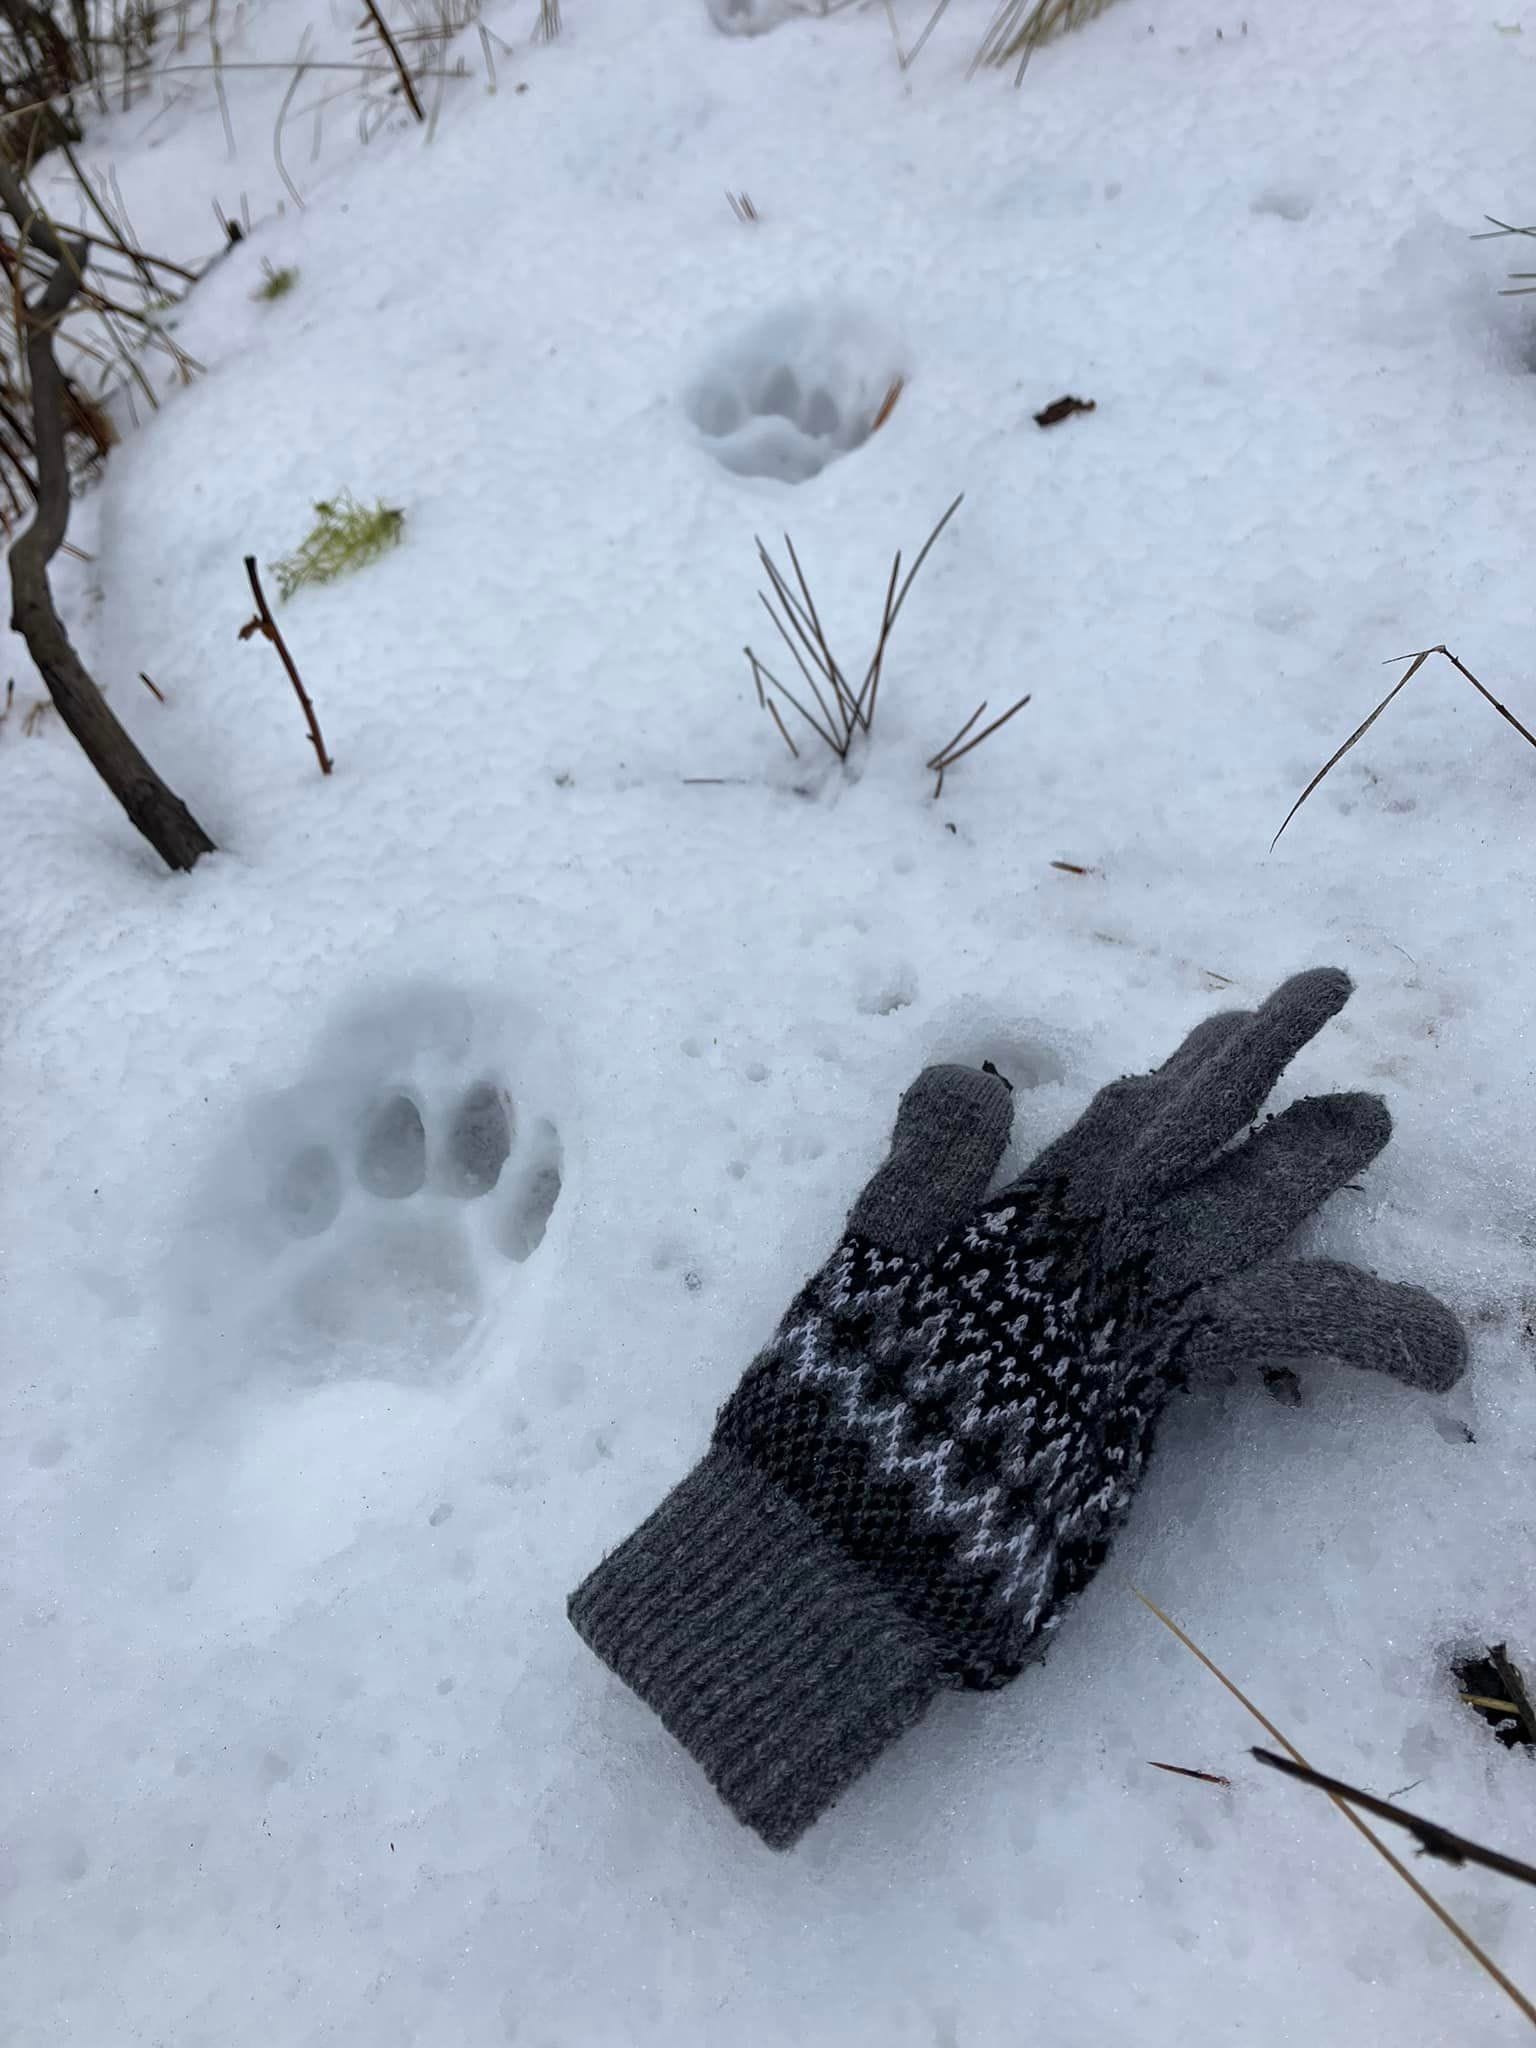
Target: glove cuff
[781, 1665]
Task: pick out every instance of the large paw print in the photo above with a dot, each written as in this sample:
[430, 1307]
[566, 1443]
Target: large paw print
[375, 1207]
[794, 392]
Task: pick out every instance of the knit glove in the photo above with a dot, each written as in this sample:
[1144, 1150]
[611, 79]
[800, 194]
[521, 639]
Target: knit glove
[934, 1452]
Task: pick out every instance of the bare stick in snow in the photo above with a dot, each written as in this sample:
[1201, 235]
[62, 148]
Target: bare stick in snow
[1433, 1839]
[266, 625]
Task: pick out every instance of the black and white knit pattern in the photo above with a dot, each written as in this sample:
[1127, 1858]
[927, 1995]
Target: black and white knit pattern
[971, 1427]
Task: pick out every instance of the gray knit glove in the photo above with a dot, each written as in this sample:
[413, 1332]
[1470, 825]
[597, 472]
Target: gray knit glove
[934, 1452]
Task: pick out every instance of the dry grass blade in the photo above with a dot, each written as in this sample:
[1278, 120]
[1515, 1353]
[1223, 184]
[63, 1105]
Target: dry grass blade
[1020, 27]
[1358, 734]
[774, 710]
[1500, 227]
[762, 673]
[301, 65]
[797, 624]
[934, 759]
[1452, 1926]
[894, 600]
[1486, 695]
[948, 756]
[1415, 663]
[742, 207]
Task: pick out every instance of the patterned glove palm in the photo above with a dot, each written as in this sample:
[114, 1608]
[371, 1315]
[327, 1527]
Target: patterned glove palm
[933, 1454]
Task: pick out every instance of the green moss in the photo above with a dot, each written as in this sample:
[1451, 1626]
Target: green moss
[345, 536]
[275, 284]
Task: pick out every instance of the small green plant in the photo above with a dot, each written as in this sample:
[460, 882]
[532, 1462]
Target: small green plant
[345, 536]
[275, 284]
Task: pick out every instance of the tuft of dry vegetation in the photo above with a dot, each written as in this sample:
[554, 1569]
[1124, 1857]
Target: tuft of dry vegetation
[1015, 32]
[838, 722]
[842, 712]
[108, 340]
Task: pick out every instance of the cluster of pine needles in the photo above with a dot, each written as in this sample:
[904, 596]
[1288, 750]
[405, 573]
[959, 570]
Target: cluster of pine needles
[345, 536]
[843, 713]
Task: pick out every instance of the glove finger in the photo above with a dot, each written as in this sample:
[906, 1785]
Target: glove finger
[1087, 1156]
[1308, 1311]
[1090, 1156]
[1240, 1211]
[1208, 1036]
[1227, 1089]
[951, 1131]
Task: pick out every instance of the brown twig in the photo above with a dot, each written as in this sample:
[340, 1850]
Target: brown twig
[266, 625]
[155, 809]
[1433, 1839]
[1415, 663]
[400, 64]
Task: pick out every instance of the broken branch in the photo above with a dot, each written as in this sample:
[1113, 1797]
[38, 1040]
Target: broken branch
[152, 807]
[266, 625]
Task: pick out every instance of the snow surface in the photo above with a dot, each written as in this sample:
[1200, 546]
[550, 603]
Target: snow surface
[301, 1748]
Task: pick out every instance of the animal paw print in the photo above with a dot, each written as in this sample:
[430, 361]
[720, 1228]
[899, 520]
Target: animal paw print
[375, 1208]
[793, 393]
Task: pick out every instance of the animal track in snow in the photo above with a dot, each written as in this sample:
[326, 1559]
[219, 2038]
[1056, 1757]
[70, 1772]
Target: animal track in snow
[1284, 203]
[793, 392]
[360, 1226]
[756, 17]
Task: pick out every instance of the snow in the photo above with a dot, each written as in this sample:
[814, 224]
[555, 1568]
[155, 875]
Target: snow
[302, 1748]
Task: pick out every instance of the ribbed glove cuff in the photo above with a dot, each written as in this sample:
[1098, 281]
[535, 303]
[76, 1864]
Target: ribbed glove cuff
[779, 1664]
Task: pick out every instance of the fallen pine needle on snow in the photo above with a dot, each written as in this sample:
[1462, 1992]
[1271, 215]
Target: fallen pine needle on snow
[1184, 1771]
